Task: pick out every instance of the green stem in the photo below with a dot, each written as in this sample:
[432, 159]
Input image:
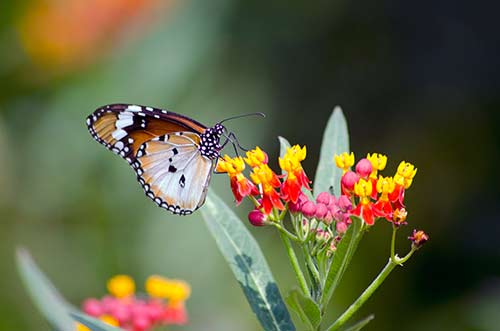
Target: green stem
[393, 244]
[285, 232]
[310, 263]
[295, 265]
[363, 297]
[393, 262]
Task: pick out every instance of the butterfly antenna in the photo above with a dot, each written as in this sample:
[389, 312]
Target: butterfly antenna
[243, 115]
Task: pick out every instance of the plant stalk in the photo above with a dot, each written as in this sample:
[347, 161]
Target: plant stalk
[295, 265]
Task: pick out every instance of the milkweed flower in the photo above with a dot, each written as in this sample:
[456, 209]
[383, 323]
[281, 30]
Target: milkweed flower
[418, 238]
[378, 161]
[240, 185]
[263, 175]
[344, 161]
[121, 286]
[403, 180]
[364, 209]
[296, 178]
[163, 303]
[383, 207]
[256, 157]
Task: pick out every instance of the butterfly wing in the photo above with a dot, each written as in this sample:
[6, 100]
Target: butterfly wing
[162, 147]
[173, 172]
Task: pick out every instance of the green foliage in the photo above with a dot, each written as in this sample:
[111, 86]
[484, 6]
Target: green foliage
[361, 324]
[342, 258]
[48, 300]
[335, 141]
[248, 264]
[45, 296]
[93, 323]
[307, 310]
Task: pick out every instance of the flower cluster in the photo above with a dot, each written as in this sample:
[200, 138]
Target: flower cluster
[364, 193]
[162, 305]
[375, 196]
[268, 190]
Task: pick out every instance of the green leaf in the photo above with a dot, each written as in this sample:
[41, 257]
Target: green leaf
[93, 323]
[341, 259]
[306, 309]
[45, 296]
[361, 324]
[284, 144]
[335, 142]
[248, 264]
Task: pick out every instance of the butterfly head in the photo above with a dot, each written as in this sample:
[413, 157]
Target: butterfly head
[210, 141]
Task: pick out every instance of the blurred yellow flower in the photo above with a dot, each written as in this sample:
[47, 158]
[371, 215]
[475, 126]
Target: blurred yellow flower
[121, 286]
[172, 289]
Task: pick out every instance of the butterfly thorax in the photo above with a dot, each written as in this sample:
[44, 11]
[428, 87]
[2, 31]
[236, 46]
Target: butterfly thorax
[210, 141]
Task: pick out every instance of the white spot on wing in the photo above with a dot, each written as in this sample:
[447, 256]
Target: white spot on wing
[134, 108]
[122, 123]
[119, 134]
[119, 145]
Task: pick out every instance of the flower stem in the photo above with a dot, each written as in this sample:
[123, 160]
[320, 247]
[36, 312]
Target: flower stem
[364, 296]
[295, 265]
[394, 261]
[285, 232]
[393, 244]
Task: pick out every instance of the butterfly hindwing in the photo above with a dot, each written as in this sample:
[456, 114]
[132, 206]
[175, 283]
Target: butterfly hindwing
[173, 172]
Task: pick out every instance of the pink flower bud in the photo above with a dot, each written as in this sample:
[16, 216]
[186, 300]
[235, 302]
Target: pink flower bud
[257, 218]
[295, 207]
[309, 209]
[108, 303]
[349, 179]
[141, 323]
[121, 313]
[364, 168]
[341, 227]
[93, 307]
[344, 203]
[155, 310]
[328, 217]
[321, 211]
[324, 198]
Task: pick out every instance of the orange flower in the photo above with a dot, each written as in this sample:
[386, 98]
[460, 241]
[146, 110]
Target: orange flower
[269, 181]
[383, 207]
[296, 177]
[240, 185]
[403, 180]
[364, 209]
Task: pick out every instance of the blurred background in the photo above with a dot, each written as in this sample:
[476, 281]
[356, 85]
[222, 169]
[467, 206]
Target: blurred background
[417, 81]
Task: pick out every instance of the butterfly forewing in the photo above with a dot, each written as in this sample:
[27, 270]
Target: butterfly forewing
[124, 128]
[163, 148]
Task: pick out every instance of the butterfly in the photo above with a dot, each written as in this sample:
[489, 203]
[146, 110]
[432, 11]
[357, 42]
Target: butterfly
[173, 155]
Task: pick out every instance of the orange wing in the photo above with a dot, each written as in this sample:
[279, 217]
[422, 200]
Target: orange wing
[123, 128]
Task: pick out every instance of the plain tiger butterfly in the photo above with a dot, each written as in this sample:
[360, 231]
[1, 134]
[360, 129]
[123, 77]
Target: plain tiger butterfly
[173, 155]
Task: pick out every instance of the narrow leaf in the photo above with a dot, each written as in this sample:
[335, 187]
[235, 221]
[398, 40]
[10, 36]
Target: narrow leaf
[307, 310]
[45, 296]
[361, 324]
[93, 323]
[342, 258]
[284, 144]
[335, 142]
[248, 264]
